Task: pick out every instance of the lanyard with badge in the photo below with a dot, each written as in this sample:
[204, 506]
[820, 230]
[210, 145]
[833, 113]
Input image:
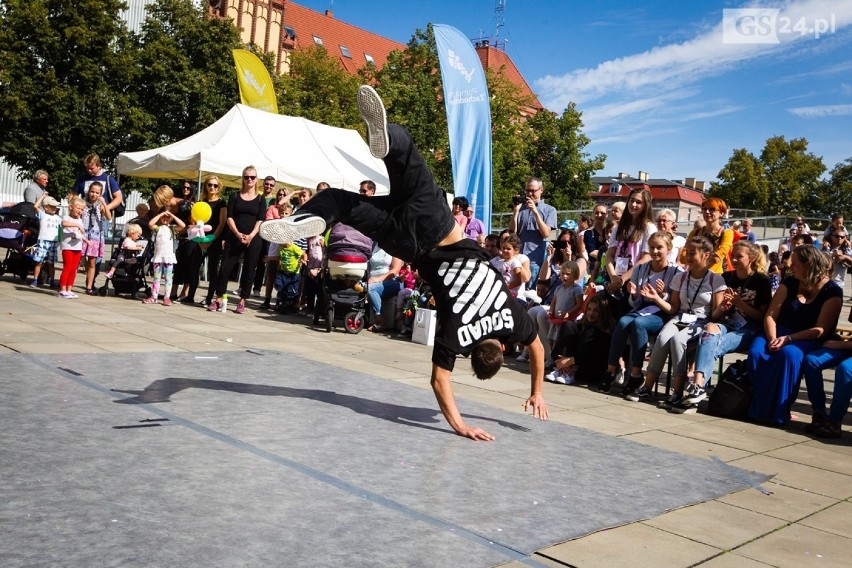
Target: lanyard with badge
[689, 316]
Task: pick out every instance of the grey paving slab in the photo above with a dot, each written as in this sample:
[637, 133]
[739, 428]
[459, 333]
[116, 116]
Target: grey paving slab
[325, 437]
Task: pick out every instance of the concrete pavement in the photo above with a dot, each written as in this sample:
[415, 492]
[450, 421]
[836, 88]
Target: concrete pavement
[803, 521]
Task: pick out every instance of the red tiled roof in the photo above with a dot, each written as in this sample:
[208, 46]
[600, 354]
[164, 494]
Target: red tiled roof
[334, 33]
[661, 190]
[496, 59]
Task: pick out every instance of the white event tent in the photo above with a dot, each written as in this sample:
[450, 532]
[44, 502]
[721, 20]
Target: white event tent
[295, 151]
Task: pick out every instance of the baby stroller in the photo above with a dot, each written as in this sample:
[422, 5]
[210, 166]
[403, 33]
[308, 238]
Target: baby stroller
[129, 276]
[344, 279]
[19, 227]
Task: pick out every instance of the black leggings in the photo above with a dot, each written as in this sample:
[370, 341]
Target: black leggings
[232, 251]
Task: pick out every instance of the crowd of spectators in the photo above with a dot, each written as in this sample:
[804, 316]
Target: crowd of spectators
[600, 294]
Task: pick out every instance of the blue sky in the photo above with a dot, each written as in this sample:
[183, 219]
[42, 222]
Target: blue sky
[661, 88]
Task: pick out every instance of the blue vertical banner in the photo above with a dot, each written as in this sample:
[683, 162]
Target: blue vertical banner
[468, 119]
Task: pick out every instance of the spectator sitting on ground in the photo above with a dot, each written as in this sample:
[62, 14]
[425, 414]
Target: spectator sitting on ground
[580, 351]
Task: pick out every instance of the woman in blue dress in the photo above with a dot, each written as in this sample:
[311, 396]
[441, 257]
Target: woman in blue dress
[803, 313]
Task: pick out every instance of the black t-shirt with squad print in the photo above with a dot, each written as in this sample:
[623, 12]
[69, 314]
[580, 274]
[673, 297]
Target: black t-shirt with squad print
[472, 300]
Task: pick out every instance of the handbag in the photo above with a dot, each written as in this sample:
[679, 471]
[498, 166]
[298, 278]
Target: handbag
[732, 396]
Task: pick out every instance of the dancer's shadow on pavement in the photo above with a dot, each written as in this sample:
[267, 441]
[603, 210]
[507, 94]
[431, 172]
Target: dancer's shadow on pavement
[161, 390]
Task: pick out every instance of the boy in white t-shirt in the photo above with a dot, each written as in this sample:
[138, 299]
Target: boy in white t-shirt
[48, 238]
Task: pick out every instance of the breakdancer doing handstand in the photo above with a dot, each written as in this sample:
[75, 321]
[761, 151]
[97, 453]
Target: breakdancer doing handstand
[477, 315]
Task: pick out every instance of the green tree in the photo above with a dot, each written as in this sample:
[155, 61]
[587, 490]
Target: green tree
[742, 182]
[557, 155]
[835, 194]
[410, 85]
[319, 88]
[66, 67]
[508, 144]
[792, 174]
[186, 78]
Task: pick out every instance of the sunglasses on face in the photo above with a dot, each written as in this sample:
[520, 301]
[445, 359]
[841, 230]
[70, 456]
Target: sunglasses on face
[213, 185]
[249, 178]
[709, 210]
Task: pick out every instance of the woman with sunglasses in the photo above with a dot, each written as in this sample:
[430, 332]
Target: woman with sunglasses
[713, 210]
[246, 210]
[211, 189]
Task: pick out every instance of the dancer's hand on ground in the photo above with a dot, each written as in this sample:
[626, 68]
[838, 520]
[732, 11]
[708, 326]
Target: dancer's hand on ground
[539, 407]
[475, 434]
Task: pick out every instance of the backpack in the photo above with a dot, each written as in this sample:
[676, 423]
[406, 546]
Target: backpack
[122, 207]
[732, 396]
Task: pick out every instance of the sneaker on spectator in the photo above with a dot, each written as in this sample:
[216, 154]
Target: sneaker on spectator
[631, 384]
[564, 378]
[672, 401]
[524, 357]
[620, 376]
[693, 394]
[34, 284]
[684, 408]
[606, 382]
[641, 393]
[551, 376]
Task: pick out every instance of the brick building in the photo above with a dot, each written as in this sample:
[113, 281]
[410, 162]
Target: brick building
[282, 27]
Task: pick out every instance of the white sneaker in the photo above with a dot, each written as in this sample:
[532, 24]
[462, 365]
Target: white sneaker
[565, 378]
[620, 376]
[551, 376]
[524, 357]
[292, 228]
[373, 112]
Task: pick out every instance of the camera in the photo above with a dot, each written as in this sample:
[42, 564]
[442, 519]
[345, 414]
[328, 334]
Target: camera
[518, 199]
[560, 244]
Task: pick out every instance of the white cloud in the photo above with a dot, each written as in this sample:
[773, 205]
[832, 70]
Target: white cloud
[821, 111]
[615, 90]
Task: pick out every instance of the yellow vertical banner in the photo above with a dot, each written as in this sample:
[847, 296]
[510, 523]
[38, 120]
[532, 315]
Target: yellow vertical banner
[255, 83]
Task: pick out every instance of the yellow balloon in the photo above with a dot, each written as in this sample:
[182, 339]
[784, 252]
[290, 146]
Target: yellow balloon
[201, 212]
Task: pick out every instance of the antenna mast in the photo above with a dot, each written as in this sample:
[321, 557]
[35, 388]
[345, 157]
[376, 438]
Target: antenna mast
[499, 12]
